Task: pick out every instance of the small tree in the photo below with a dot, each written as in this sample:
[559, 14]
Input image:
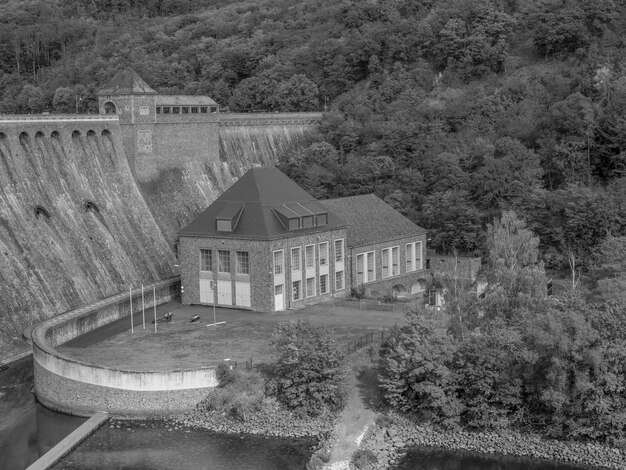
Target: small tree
[308, 372]
[516, 276]
[414, 374]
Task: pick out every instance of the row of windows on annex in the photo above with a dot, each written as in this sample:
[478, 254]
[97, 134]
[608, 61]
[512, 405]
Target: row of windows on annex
[184, 109]
[308, 278]
[390, 263]
[216, 275]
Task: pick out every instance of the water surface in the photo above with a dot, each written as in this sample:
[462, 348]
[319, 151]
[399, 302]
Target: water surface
[155, 446]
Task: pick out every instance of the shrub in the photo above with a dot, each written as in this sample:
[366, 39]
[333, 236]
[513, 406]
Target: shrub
[414, 374]
[225, 374]
[388, 298]
[308, 373]
[238, 395]
[357, 293]
[364, 459]
[383, 421]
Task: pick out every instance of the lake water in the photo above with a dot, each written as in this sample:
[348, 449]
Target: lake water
[151, 446]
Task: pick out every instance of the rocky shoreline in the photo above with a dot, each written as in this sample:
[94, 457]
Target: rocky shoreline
[390, 439]
[272, 421]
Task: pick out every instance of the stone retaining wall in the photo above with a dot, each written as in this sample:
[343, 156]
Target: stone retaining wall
[71, 386]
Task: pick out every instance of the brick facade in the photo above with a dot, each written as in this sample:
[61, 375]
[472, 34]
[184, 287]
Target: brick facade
[261, 259]
[405, 283]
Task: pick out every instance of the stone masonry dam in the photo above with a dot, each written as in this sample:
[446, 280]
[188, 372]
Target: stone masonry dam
[86, 211]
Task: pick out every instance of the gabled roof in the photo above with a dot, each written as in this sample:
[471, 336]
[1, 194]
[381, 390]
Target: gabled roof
[257, 205]
[127, 82]
[371, 220]
[184, 100]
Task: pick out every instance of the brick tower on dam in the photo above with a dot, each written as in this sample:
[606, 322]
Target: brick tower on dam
[166, 131]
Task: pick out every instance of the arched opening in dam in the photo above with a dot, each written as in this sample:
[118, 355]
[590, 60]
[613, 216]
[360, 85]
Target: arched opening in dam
[109, 108]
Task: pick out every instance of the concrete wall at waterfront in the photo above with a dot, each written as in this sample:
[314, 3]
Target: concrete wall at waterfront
[71, 386]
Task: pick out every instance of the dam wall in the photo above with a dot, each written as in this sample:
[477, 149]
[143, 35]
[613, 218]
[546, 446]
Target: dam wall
[74, 227]
[76, 387]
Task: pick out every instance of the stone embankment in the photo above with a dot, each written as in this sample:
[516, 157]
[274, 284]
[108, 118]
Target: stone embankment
[272, 421]
[390, 441]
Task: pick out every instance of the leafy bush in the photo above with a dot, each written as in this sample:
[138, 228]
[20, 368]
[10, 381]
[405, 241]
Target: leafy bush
[357, 293]
[308, 372]
[414, 374]
[388, 298]
[225, 374]
[238, 395]
[364, 459]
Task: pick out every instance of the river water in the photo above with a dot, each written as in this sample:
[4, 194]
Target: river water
[28, 430]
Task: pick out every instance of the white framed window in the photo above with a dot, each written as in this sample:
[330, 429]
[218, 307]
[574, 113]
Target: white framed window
[310, 287]
[144, 110]
[243, 262]
[365, 267]
[339, 280]
[206, 260]
[360, 265]
[323, 253]
[324, 284]
[278, 262]
[418, 255]
[395, 260]
[385, 262]
[223, 261]
[413, 256]
[295, 259]
[309, 256]
[371, 267]
[296, 289]
[339, 251]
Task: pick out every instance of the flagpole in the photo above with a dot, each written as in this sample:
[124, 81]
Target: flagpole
[132, 331]
[143, 309]
[155, 302]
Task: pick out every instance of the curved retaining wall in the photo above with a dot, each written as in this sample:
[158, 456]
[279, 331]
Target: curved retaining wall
[71, 386]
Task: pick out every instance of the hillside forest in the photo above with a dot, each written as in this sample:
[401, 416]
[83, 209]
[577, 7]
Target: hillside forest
[498, 125]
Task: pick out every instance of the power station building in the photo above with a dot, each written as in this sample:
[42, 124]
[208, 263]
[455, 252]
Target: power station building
[267, 245]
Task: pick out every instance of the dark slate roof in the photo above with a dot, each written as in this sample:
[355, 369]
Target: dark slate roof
[260, 193]
[184, 100]
[371, 220]
[127, 82]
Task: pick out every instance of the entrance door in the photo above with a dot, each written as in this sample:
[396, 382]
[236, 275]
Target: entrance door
[279, 298]
[242, 294]
[206, 291]
[224, 293]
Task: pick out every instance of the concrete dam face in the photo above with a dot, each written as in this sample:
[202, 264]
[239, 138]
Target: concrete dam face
[85, 213]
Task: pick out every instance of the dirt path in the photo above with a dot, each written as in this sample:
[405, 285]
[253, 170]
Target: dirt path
[356, 417]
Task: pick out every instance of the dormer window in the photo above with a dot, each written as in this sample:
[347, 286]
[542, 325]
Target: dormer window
[296, 216]
[226, 220]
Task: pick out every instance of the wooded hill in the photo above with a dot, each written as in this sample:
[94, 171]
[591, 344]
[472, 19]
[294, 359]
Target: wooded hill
[450, 110]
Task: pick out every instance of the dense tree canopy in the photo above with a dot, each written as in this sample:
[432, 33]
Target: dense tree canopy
[450, 110]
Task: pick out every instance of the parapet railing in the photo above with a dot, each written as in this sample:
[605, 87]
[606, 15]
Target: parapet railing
[57, 117]
[246, 119]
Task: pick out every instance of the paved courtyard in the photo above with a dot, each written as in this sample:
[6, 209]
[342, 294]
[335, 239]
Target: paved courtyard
[245, 335]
